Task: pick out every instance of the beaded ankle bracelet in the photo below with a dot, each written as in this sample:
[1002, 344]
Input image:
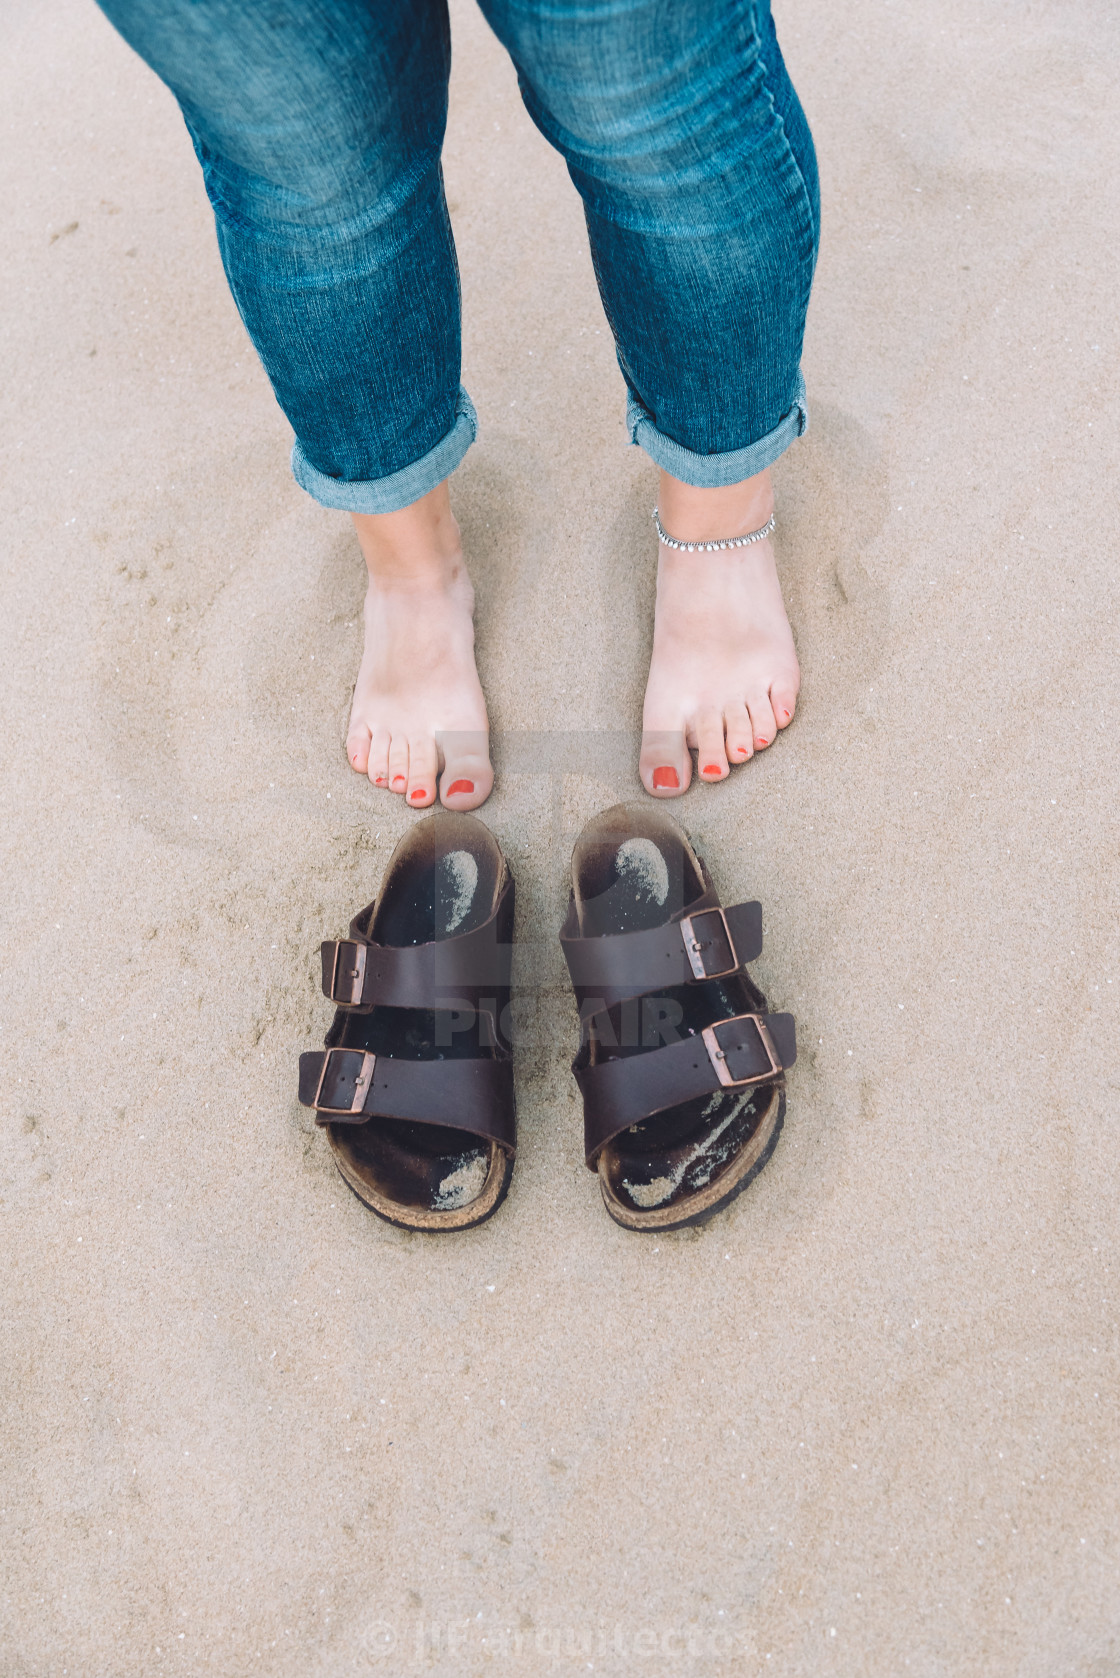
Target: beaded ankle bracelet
[711, 547]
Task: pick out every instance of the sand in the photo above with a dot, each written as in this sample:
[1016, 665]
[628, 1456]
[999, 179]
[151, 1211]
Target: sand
[865, 1423]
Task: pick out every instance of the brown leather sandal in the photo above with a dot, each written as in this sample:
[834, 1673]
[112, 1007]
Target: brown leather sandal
[681, 1068]
[415, 1085]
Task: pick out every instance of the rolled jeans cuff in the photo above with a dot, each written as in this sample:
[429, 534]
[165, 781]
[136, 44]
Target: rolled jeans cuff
[399, 489]
[715, 471]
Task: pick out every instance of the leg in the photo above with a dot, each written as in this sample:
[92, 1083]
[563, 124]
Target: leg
[418, 704]
[319, 127]
[700, 189]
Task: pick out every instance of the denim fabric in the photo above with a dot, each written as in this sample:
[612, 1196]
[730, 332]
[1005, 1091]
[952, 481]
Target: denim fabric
[319, 125]
[399, 489]
[715, 471]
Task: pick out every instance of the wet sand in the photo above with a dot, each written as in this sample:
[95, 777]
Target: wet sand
[865, 1423]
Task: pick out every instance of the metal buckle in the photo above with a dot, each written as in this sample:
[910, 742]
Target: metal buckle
[361, 1087]
[694, 946]
[354, 975]
[719, 1059]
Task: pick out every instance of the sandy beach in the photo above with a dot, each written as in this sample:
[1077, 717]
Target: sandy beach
[866, 1423]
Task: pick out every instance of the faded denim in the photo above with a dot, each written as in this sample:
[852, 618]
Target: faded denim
[319, 126]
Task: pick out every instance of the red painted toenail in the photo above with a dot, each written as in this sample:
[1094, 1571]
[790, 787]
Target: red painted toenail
[460, 786]
[764, 742]
[712, 769]
[666, 778]
[398, 780]
[785, 714]
[417, 794]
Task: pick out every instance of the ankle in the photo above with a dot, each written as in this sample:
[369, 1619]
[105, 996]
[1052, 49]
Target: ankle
[692, 514]
[416, 572]
[417, 548]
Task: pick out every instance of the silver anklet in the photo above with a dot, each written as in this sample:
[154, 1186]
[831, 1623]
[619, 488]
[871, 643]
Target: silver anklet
[711, 547]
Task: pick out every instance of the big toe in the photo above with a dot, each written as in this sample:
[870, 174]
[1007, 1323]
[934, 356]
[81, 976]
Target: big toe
[665, 763]
[467, 776]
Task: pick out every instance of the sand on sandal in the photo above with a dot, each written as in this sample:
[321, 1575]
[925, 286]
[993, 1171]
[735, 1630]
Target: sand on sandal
[865, 1422]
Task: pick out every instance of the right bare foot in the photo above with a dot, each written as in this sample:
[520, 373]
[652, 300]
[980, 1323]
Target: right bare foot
[419, 716]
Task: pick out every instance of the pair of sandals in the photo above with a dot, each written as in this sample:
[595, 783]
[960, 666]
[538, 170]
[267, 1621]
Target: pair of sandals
[681, 1068]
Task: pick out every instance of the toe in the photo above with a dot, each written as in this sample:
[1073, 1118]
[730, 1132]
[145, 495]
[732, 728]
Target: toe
[711, 760]
[783, 702]
[377, 765]
[739, 734]
[423, 767]
[467, 776]
[357, 746]
[665, 764]
[762, 720]
[398, 763]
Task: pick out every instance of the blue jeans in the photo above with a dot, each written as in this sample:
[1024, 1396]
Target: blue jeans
[319, 125]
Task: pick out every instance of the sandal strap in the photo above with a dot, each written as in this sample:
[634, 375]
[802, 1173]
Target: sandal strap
[470, 969]
[730, 1054]
[705, 941]
[351, 1086]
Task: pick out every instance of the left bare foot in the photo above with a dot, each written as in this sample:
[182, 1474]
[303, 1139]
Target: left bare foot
[723, 677]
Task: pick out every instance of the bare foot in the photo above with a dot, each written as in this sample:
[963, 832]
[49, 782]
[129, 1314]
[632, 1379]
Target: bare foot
[419, 716]
[723, 678]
